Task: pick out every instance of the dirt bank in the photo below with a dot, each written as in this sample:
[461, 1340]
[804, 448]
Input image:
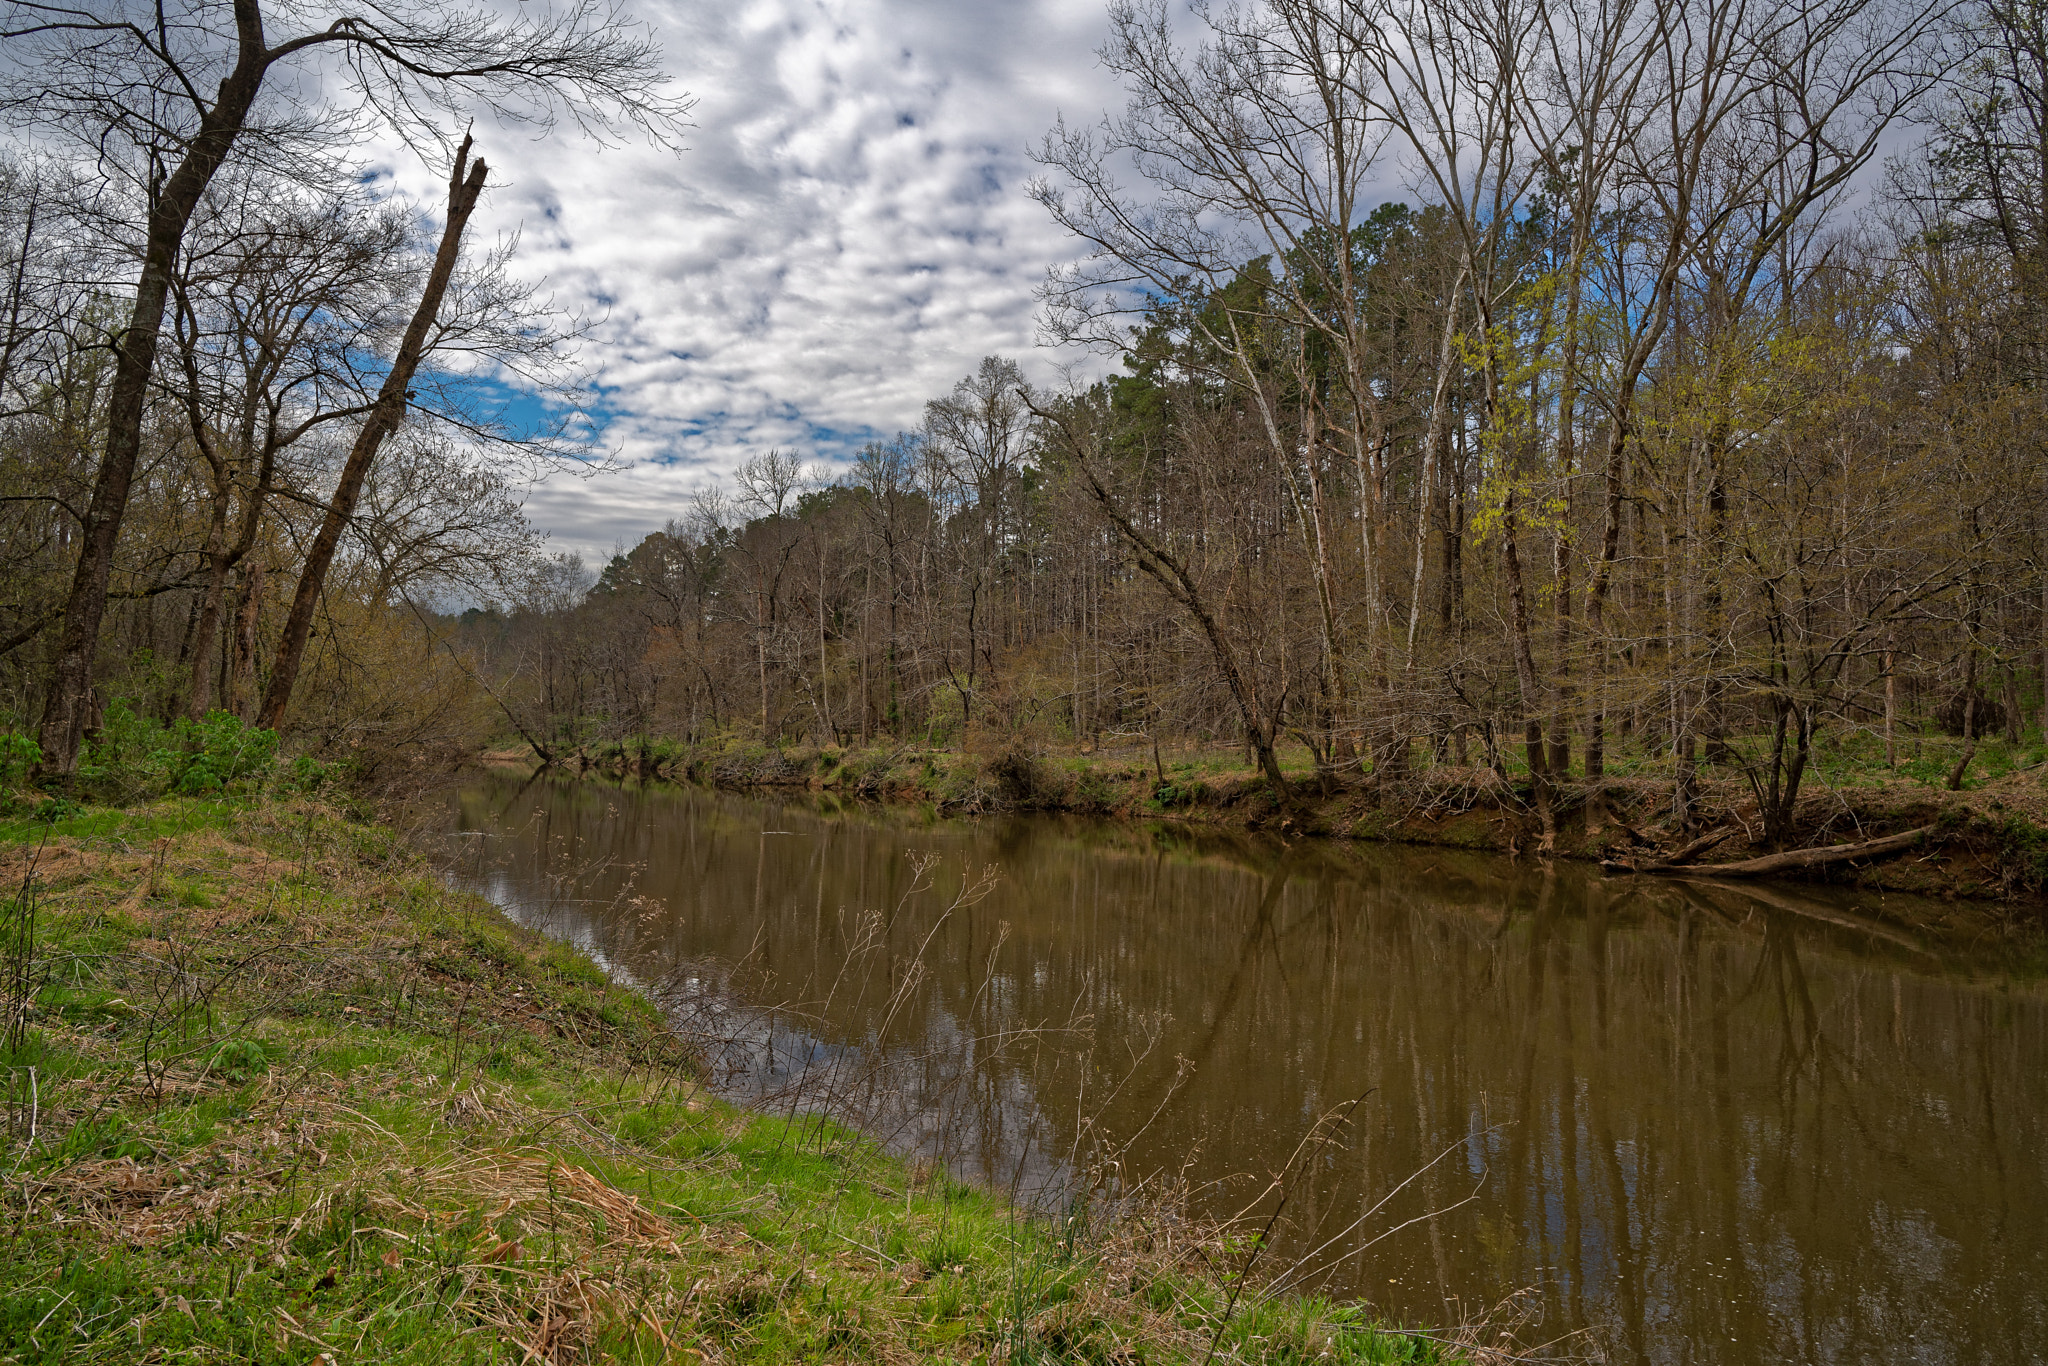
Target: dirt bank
[1988, 843]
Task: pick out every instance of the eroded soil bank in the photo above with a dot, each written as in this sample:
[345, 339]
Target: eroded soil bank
[1987, 844]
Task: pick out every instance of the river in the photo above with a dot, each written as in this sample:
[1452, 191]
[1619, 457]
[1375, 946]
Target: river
[1677, 1123]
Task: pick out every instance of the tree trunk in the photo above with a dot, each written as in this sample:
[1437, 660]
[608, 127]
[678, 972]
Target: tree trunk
[1165, 569]
[1891, 698]
[242, 670]
[464, 186]
[1340, 746]
[824, 663]
[1779, 815]
[1596, 599]
[1525, 674]
[761, 670]
[1564, 696]
[216, 584]
[1562, 693]
[1962, 768]
[207, 627]
[1310, 521]
[1434, 444]
[1685, 787]
[894, 714]
[70, 699]
[1714, 698]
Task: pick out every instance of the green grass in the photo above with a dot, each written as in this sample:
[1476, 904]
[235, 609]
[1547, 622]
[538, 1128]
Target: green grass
[279, 1096]
[102, 823]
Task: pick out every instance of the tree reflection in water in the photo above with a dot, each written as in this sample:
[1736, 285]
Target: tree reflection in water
[1712, 1124]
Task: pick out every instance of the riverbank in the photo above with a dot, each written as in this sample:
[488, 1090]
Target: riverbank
[1988, 842]
[277, 1094]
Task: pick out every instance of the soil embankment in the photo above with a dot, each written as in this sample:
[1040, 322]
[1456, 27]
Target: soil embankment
[1989, 843]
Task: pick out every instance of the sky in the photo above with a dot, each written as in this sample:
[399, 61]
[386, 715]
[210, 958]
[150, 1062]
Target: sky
[845, 235]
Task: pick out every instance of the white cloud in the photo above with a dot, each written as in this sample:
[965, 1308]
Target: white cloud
[846, 235]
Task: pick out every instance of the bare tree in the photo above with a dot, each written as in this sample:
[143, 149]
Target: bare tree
[275, 299]
[465, 184]
[769, 484]
[1255, 144]
[165, 94]
[1078, 429]
[974, 438]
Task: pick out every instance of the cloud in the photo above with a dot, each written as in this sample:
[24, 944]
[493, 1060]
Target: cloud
[846, 235]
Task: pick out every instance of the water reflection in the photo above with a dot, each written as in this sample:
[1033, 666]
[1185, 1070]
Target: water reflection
[1711, 1125]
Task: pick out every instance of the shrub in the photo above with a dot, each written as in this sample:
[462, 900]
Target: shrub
[237, 1060]
[1172, 793]
[2025, 847]
[308, 774]
[19, 756]
[221, 750]
[1092, 792]
[134, 756]
[1018, 775]
[1988, 717]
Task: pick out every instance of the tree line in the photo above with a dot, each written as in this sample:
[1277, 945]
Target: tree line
[1547, 386]
[1661, 412]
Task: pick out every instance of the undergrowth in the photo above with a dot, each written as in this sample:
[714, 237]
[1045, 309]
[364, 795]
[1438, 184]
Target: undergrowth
[274, 1094]
[131, 757]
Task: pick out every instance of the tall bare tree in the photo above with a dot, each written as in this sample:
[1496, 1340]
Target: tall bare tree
[163, 95]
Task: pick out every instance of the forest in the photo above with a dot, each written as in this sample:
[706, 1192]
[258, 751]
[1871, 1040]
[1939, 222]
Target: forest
[1556, 389]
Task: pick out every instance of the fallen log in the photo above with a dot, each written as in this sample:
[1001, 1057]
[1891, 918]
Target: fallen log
[1677, 858]
[1792, 860]
[1701, 845]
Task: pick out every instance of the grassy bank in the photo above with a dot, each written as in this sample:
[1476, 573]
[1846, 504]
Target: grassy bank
[1993, 840]
[276, 1095]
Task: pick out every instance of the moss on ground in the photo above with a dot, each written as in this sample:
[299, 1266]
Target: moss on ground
[277, 1095]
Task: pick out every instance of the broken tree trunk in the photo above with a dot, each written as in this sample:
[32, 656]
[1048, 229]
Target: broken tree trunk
[464, 186]
[1701, 845]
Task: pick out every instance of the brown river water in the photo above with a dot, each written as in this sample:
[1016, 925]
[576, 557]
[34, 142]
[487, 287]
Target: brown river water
[1682, 1123]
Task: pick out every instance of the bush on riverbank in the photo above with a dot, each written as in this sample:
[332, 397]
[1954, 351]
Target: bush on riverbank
[133, 757]
[275, 1094]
